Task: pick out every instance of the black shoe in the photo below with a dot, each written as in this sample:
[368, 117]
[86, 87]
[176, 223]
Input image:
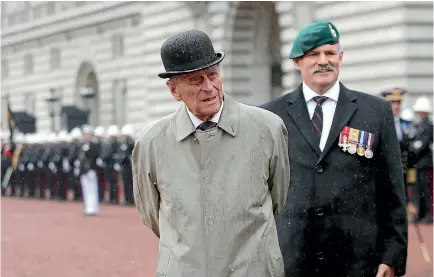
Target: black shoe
[90, 214]
[427, 219]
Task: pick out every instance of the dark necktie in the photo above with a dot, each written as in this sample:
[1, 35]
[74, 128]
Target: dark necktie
[206, 125]
[317, 118]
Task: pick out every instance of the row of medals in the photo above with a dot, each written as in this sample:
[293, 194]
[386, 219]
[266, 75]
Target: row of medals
[351, 147]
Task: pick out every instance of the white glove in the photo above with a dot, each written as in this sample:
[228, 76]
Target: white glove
[76, 172]
[77, 163]
[40, 164]
[99, 162]
[65, 165]
[117, 167]
[30, 167]
[21, 167]
[51, 166]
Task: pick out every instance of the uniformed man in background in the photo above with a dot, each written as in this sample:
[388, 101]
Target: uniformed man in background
[421, 147]
[39, 187]
[23, 160]
[6, 162]
[88, 178]
[48, 169]
[62, 168]
[100, 142]
[403, 131]
[31, 167]
[111, 173]
[17, 175]
[125, 150]
[73, 159]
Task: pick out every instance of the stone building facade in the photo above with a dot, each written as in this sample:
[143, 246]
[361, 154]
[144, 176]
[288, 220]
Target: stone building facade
[104, 56]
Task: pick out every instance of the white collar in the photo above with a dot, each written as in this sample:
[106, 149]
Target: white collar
[196, 121]
[332, 93]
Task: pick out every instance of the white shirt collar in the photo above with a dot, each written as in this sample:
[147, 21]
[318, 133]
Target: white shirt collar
[196, 121]
[332, 93]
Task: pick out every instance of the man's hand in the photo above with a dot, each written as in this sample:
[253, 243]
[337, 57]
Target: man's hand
[385, 271]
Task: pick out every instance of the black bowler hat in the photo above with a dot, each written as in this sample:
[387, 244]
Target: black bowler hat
[188, 52]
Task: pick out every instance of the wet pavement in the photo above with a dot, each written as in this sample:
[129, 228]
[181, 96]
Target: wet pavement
[51, 238]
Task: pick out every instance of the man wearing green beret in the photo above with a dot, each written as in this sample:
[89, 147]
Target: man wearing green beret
[345, 212]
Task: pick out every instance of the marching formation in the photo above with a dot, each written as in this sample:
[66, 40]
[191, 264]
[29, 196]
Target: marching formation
[85, 164]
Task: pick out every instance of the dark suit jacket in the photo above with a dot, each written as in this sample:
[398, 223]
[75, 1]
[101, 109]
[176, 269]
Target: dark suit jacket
[344, 214]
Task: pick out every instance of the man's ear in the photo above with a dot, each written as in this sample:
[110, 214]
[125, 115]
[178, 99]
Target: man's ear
[296, 63]
[172, 87]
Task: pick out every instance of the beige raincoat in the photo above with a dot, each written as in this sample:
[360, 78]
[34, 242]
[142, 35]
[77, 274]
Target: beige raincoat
[212, 196]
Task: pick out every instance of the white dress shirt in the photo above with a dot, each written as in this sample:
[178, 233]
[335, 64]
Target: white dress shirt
[196, 121]
[328, 108]
[398, 127]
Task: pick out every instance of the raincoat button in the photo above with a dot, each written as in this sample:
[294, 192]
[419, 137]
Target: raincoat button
[319, 169]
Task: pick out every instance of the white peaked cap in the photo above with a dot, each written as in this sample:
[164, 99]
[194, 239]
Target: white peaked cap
[63, 136]
[76, 133]
[28, 138]
[99, 131]
[87, 129]
[113, 130]
[19, 138]
[128, 130]
[52, 138]
[422, 104]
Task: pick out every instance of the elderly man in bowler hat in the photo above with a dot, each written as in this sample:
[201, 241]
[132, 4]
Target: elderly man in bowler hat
[345, 214]
[210, 178]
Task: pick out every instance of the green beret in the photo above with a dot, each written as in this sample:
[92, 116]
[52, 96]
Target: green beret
[313, 36]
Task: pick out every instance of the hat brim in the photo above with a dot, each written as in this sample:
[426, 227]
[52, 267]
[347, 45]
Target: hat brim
[219, 57]
[394, 98]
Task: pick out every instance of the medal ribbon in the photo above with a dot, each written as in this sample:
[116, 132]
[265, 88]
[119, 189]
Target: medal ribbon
[370, 141]
[362, 139]
[345, 134]
[354, 136]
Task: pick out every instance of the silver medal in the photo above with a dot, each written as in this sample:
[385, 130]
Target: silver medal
[352, 149]
[369, 154]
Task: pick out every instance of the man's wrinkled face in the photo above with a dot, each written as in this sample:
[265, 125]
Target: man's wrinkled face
[201, 91]
[396, 107]
[320, 66]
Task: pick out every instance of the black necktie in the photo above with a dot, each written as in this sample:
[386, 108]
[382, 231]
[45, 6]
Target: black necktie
[206, 125]
[318, 116]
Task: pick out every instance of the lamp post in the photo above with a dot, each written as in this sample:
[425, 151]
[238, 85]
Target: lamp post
[51, 100]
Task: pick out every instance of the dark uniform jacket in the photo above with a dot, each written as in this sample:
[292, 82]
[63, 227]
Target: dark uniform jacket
[123, 156]
[406, 127]
[24, 158]
[420, 145]
[344, 214]
[110, 151]
[88, 154]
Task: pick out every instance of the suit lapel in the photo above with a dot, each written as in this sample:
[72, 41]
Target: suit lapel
[297, 109]
[345, 109]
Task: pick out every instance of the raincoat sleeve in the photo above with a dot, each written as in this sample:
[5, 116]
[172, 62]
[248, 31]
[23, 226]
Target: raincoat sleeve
[145, 189]
[391, 203]
[278, 181]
